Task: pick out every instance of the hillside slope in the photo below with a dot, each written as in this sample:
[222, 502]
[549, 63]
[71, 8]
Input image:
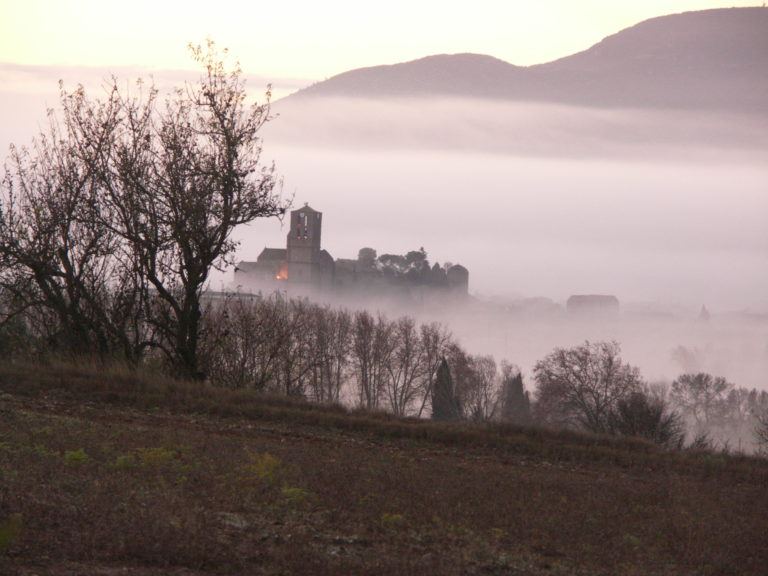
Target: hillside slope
[712, 58]
[106, 472]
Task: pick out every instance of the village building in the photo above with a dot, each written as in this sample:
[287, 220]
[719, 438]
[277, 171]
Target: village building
[593, 305]
[304, 265]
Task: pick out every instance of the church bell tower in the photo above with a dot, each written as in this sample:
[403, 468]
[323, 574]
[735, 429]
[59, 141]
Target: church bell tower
[304, 245]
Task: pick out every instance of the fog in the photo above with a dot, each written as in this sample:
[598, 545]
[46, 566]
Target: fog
[667, 211]
[531, 227]
[27, 92]
[674, 220]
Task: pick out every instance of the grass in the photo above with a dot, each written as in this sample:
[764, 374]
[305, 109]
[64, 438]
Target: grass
[105, 470]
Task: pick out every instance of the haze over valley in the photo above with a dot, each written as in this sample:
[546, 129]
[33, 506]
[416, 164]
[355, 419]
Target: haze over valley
[636, 168]
[661, 200]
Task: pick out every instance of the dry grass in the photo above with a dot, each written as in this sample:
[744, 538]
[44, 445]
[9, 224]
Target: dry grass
[103, 470]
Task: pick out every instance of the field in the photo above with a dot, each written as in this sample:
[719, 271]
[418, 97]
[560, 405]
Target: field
[104, 472]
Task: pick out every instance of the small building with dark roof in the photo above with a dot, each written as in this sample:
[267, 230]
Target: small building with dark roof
[592, 305]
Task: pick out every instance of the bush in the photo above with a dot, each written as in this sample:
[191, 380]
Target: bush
[645, 416]
[76, 458]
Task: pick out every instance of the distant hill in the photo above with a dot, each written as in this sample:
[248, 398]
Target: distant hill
[707, 59]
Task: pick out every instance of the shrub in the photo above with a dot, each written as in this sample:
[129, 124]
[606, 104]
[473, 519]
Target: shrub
[157, 457]
[263, 466]
[392, 521]
[644, 416]
[9, 530]
[76, 458]
[295, 495]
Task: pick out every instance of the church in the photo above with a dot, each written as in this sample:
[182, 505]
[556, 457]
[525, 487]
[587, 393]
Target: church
[304, 265]
[302, 262]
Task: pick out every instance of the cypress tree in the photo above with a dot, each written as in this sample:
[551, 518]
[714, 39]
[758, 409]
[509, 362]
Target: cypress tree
[445, 406]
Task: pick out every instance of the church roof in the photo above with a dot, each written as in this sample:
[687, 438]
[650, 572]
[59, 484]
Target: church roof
[246, 267]
[272, 254]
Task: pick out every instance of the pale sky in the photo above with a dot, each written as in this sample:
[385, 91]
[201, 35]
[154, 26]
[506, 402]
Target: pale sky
[307, 39]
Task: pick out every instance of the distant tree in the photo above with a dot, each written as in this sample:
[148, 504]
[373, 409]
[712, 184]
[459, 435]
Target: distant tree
[405, 366]
[690, 360]
[480, 389]
[296, 355]
[514, 402]
[702, 398]
[581, 386]
[761, 432]
[435, 342]
[645, 415]
[413, 266]
[445, 405]
[331, 343]
[372, 346]
[462, 374]
[416, 257]
[395, 263]
[242, 341]
[367, 257]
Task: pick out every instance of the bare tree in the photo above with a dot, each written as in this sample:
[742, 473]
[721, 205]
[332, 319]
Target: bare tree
[480, 391]
[296, 354]
[761, 432]
[177, 180]
[580, 386]
[332, 331]
[364, 327]
[371, 350]
[405, 366]
[242, 340]
[435, 340]
[702, 398]
[58, 260]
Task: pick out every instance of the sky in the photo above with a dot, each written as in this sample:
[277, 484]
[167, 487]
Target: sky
[310, 40]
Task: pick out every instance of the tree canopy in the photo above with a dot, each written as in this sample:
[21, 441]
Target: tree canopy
[113, 221]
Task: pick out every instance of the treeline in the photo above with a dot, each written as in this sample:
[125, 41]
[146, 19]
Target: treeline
[591, 388]
[299, 348]
[294, 347]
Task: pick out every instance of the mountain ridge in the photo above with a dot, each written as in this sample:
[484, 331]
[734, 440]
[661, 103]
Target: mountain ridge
[703, 59]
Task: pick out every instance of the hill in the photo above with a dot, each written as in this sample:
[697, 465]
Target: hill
[108, 472]
[712, 58]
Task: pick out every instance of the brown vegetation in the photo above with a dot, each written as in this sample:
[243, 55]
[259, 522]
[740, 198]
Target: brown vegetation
[107, 470]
